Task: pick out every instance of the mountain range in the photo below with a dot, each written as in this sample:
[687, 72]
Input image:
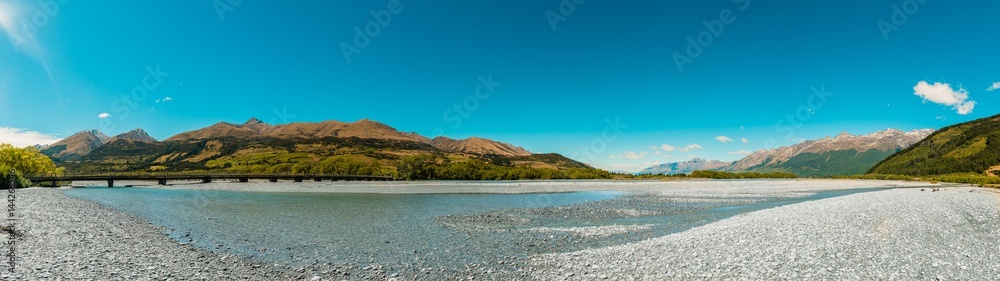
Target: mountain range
[363, 146]
[685, 167]
[844, 154]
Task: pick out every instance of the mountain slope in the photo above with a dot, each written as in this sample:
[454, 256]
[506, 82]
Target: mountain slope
[133, 135]
[844, 154]
[478, 146]
[971, 147]
[364, 147]
[76, 145]
[685, 167]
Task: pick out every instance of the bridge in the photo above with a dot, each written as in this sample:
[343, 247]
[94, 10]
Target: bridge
[162, 179]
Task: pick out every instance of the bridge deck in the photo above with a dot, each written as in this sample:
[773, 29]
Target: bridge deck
[162, 179]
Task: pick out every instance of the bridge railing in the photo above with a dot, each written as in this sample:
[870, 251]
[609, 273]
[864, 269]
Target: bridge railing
[191, 175]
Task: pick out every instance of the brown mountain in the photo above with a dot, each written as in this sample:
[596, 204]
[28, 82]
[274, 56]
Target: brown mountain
[133, 135]
[255, 128]
[479, 146]
[77, 145]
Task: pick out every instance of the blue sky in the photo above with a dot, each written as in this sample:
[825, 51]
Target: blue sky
[547, 89]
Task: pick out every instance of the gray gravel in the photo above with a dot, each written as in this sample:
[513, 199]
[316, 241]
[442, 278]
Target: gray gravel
[900, 234]
[72, 239]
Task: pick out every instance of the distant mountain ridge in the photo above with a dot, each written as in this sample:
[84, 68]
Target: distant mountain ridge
[685, 167]
[844, 154]
[133, 135]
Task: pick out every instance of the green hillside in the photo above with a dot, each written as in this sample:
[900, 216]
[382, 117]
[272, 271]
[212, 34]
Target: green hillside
[330, 155]
[972, 147]
[831, 163]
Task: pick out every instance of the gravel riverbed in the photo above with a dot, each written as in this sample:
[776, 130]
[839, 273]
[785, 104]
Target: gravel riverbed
[899, 234]
[891, 234]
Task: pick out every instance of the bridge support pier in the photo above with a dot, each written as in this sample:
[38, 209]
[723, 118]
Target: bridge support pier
[297, 179]
[161, 181]
[318, 179]
[111, 183]
[244, 179]
[54, 184]
[206, 180]
[273, 180]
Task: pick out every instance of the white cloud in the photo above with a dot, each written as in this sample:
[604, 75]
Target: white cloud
[164, 99]
[626, 167]
[744, 140]
[103, 115]
[660, 153]
[943, 94]
[629, 155]
[690, 147]
[723, 139]
[740, 152]
[21, 138]
[667, 147]
[994, 87]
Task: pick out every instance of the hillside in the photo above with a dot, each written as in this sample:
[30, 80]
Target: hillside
[76, 145]
[971, 147]
[685, 167]
[364, 148]
[844, 154]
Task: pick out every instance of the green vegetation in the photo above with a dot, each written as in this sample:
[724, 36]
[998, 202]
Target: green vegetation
[346, 156]
[23, 161]
[832, 163]
[427, 167]
[968, 148]
[741, 175]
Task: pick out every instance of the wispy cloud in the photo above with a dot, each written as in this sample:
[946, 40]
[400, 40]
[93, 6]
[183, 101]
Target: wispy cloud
[690, 147]
[164, 99]
[667, 147]
[740, 152]
[994, 87]
[629, 155]
[104, 115]
[21, 137]
[943, 94]
[723, 139]
[744, 140]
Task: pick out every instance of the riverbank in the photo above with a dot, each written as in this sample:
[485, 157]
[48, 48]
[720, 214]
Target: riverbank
[722, 188]
[77, 239]
[899, 234]
[72, 239]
